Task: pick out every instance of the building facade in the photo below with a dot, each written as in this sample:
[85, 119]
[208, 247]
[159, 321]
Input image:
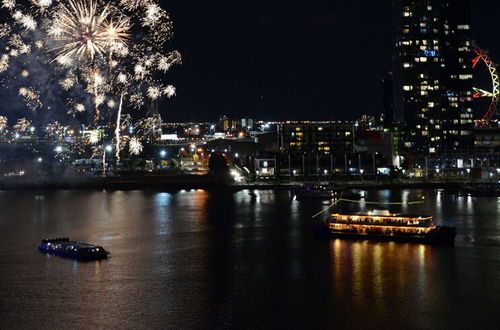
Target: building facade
[433, 74]
[329, 137]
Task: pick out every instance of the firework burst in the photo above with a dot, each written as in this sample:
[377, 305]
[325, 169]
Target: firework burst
[103, 56]
[135, 146]
[22, 125]
[3, 123]
[86, 28]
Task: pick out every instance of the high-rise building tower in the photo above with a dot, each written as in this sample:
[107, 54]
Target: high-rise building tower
[388, 100]
[433, 74]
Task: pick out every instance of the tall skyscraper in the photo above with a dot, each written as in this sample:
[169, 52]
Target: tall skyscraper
[388, 100]
[433, 74]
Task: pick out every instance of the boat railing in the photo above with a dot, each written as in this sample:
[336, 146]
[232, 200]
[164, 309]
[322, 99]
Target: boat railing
[369, 220]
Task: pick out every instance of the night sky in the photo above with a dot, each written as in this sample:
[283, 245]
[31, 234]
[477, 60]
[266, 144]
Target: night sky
[283, 60]
[279, 60]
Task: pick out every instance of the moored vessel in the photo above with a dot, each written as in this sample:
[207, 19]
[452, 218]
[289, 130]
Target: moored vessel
[383, 225]
[64, 247]
[316, 192]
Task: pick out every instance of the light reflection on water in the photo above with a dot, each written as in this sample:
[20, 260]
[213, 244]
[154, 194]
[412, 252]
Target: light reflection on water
[244, 259]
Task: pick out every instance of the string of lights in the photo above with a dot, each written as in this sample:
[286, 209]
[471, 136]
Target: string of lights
[367, 202]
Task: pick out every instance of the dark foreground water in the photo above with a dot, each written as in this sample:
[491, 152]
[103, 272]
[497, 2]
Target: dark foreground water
[200, 259]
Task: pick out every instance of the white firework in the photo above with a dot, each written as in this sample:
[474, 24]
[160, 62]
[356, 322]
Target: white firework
[79, 107]
[22, 125]
[8, 4]
[135, 146]
[4, 30]
[23, 91]
[4, 63]
[94, 137]
[122, 78]
[166, 62]
[99, 99]
[43, 4]
[137, 100]
[140, 71]
[86, 28]
[64, 60]
[28, 22]
[67, 83]
[3, 123]
[154, 92]
[169, 91]
[132, 5]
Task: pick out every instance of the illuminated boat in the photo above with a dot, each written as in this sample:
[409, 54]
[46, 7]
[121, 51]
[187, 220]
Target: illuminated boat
[382, 225]
[64, 247]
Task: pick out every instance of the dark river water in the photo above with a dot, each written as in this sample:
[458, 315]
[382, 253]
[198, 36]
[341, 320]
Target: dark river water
[216, 259]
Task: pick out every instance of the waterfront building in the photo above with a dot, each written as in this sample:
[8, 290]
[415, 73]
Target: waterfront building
[327, 137]
[227, 124]
[487, 140]
[433, 74]
[247, 123]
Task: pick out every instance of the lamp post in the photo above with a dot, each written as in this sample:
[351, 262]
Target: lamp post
[107, 148]
[468, 174]
[361, 171]
[325, 172]
[294, 173]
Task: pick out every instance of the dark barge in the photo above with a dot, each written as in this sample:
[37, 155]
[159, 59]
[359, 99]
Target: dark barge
[66, 248]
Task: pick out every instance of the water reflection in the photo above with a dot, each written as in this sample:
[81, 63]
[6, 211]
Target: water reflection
[244, 259]
[370, 275]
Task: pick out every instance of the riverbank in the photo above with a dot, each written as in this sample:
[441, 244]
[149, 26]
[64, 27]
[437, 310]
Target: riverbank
[186, 181]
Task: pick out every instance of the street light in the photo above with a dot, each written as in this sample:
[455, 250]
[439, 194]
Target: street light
[361, 171]
[163, 153]
[107, 148]
[325, 172]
